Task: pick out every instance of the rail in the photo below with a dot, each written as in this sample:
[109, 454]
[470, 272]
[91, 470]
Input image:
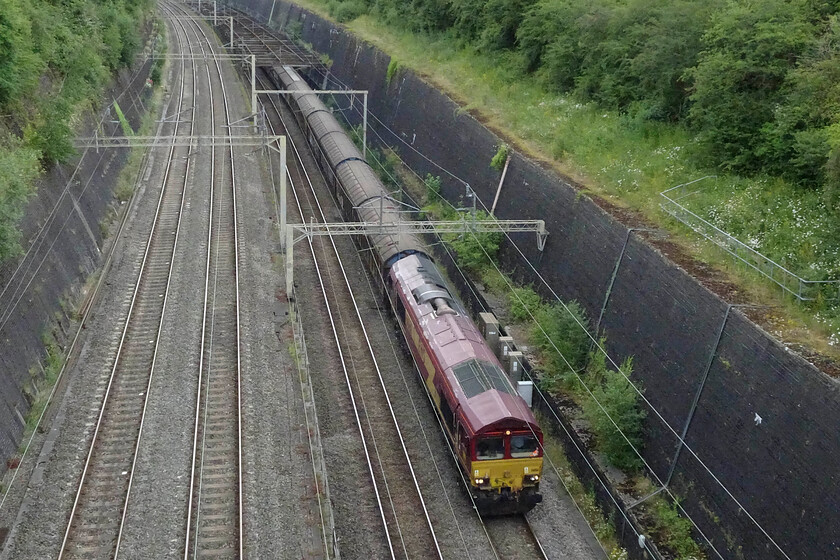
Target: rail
[215, 518]
[393, 535]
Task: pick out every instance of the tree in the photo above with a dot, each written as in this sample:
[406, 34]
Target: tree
[19, 65]
[748, 51]
[796, 143]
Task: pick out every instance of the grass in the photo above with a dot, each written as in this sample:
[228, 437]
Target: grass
[129, 175]
[672, 530]
[629, 162]
[42, 384]
[127, 181]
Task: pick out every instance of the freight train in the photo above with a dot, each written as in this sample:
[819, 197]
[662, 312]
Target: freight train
[495, 437]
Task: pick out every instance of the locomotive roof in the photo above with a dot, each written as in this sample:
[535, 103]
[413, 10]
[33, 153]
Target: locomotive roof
[487, 398]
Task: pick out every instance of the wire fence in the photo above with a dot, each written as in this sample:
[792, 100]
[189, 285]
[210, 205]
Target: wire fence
[800, 288]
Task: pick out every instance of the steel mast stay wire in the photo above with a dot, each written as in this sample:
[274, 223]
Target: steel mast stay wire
[462, 274]
[549, 459]
[460, 270]
[48, 221]
[69, 351]
[129, 315]
[602, 408]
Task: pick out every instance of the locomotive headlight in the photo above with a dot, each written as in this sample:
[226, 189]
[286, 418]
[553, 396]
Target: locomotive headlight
[479, 481]
[532, 477]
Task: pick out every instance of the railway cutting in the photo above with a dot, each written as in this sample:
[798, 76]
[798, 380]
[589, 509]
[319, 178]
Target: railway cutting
[396, 434]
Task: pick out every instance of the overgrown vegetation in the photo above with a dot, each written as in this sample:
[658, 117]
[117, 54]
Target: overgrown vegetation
[20, 167]
[124, 124]
[498, 161]
[129, 175]
[673, 530]
[57, 58]
[756, 81]
[569, 364]
[346, 10]
[664, 92]
[568, 360]
[42, 382]
[392, 71]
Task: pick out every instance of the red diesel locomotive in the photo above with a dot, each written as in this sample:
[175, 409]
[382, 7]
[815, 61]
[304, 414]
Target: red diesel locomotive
[495, 436]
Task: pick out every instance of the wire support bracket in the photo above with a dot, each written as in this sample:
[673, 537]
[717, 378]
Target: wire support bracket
[313, 229]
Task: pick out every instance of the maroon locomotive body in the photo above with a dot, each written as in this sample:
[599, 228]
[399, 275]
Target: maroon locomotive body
[494, 434]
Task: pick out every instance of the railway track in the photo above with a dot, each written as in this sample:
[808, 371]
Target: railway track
[98, 515]
[509, 537]
[513, 538]
[405, 523]
[96, 520]
[214, 515]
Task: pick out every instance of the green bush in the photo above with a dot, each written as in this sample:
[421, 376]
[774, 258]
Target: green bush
[560, 328]
[432, 186]
[392, 71]
[56, 58]
[751, 87]
[20, 167]
[498, 161]
[523, 303]
[738, 80]
[621, 402]
[51, 134]
[20, 65]
[124, 124]
[294, 29]
[674, 530]
[347, 10]
[156, 74]
[472, 248]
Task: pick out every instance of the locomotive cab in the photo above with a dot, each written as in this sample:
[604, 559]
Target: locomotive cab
[506, 467]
